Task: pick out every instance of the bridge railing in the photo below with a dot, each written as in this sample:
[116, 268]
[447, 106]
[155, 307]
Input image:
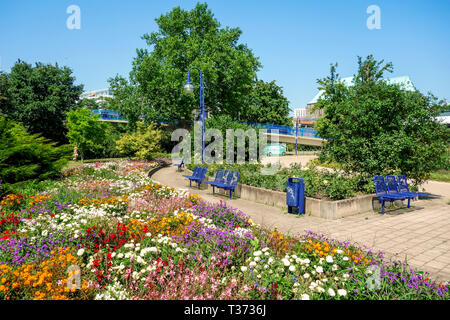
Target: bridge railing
[108, 114]
[287, 130]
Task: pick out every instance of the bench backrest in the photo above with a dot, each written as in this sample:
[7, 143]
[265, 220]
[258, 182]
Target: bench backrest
[402, 183]
[380, 185]
[202, 173]
[234, 179]
[219, 176]
[392, 186]
[196, 171]
[226, 176]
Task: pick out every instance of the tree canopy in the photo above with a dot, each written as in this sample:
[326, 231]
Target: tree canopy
[85, 131]
[373, 127]
[39, 97]
[185, 39]
[267, 104]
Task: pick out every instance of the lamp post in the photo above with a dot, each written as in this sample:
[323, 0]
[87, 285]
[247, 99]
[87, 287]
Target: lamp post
[189, 88]
[296, 135]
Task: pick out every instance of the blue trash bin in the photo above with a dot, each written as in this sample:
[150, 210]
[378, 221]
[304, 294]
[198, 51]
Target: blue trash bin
[295, 194]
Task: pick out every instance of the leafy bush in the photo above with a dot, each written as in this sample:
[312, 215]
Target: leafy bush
[142, 143]
[85, 131]
[374, 127]
[224, 123]
[26, 157]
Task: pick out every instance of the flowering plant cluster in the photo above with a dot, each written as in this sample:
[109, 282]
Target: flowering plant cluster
[106, 231]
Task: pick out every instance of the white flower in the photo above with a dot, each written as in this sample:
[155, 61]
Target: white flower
[243, 268]
[345, 258]
[120, 255]
[319, 269]
[44, 233]
[342, 292]
[286, 262]
[252, 264]
[257, 253]
[80, 252]
[305, 296]
[257, 259]
[331, 292]
[334, 267]
[140, 260]
[339, 251]
[306, 275]
[329, 259]
[292, 268]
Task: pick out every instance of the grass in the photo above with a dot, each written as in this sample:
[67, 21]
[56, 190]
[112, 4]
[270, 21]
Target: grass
[441, 175]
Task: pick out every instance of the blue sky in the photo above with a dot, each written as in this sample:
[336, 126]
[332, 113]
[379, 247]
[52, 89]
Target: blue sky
[296, 40]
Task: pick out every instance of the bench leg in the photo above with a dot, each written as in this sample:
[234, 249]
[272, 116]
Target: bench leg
[382, 207]
[409, 202]
[213, 189]
[198, 185]
[190, 183]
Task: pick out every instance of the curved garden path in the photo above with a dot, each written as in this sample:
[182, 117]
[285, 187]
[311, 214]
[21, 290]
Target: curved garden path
[420, 234]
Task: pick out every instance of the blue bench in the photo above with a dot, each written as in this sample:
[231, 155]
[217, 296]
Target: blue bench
[403, 186]
[218, 178]
[198, 176]
[384, 194]
[179, 165]
[395, 187]
[226, 180]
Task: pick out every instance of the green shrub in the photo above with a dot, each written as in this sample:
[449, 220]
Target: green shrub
[142, 143]
[26, 157]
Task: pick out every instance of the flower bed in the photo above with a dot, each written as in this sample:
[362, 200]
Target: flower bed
[106, 231]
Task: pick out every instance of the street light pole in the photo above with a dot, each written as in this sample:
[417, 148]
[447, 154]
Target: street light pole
[296, 135]
[189, 88]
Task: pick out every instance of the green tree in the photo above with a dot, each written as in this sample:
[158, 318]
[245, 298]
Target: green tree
[130, 102]
[373, 127]
[85, 131]
[41, 96]
[185, 39]
[5, 99]
[24, 157]
[142, 143]
[267, 104]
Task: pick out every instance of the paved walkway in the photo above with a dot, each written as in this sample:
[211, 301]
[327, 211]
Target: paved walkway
[420, 234]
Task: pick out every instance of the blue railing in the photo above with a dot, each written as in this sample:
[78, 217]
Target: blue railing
[288, 130]
[108, 114]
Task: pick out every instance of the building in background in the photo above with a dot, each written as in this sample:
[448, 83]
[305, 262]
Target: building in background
[444, 117]
[97, 95]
